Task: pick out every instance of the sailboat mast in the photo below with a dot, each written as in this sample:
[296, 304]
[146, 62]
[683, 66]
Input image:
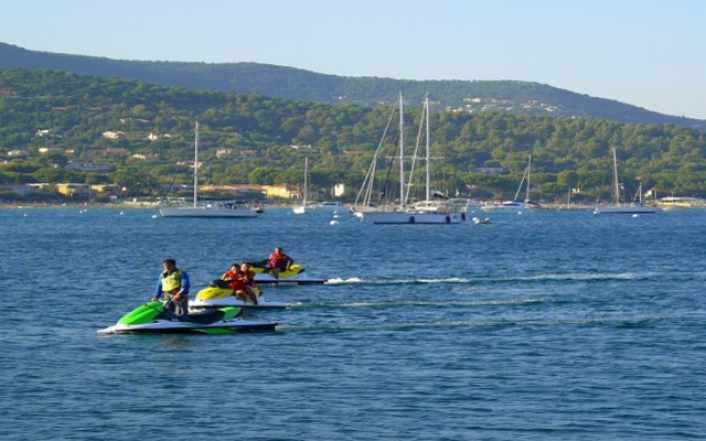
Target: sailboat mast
[196, 165]
[402, 192]
[529, 174]
[616, 181]
[306, 179]
[426, 109]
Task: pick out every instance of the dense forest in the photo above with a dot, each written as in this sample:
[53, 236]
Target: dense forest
[516, 97]
[66, 115]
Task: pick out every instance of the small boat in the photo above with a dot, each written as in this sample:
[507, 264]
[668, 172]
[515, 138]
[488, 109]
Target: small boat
[516, 204]
[330, 206]
[477, 220]
[153, 318]
[293, 275]
[214, 297]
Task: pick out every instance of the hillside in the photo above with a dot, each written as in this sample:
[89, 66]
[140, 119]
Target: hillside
[522, 98]
[131, 128]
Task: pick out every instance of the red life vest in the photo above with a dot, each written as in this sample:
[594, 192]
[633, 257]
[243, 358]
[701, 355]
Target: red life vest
[236, 283]
[278, 261]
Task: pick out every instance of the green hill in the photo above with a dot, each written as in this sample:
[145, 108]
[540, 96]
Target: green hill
[522, 98]
[144, 134]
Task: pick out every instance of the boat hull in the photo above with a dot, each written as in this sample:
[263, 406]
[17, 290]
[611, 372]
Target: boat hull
[330, 206]
[383, 218]
[625, 209]
[208, 212]
[171, 327]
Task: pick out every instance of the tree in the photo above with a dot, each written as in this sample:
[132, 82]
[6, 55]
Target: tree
[135, 183]
[53, 160]
[263, 175]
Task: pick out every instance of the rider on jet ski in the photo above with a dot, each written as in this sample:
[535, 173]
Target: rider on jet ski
[174, 284]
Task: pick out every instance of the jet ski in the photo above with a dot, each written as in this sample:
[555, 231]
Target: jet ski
[221, 297]
[292, 275]
[153, 317]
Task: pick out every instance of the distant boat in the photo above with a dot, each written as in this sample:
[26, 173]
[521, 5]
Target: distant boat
[330, 206]
[622, 208]
[429, 211]
[516, 204]
[302, 209]
[677, 202]
[229, 210]
[364, 201]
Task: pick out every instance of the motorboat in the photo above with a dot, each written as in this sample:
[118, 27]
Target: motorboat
[330, 206]
[154, 318]
[213, 297]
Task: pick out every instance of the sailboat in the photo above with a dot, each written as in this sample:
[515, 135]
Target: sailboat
[618, 207]
[208, 210]
[516, 203]
[364, 201]
[302, 209]
[428, 211]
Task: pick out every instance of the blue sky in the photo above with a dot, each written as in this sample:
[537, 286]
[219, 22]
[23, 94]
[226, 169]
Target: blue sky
[648, 53]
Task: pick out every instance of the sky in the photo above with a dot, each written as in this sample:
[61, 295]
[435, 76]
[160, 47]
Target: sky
[647, 53]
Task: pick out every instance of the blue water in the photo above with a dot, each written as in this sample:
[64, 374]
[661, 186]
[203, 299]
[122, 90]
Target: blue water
[552, 325]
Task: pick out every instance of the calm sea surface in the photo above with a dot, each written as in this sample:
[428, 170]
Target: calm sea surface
[551, 325]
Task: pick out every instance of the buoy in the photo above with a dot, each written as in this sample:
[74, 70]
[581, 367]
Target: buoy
[154, 216]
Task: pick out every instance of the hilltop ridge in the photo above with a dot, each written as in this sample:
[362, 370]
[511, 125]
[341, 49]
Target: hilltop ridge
[517, 97]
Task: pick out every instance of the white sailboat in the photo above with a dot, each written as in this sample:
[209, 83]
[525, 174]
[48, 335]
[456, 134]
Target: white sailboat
[618, 207]
[428, 211]
[516, 204]
[207, 210]
[303, 208]
[364, 201]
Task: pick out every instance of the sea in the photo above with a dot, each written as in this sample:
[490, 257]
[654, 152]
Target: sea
[541, 325]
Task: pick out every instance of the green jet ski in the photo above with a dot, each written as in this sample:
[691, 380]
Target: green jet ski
[153, 317]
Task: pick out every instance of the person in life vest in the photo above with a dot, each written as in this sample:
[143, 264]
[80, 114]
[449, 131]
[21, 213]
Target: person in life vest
[248, 277]
[278, 261]
[174, 284]
[236, 282]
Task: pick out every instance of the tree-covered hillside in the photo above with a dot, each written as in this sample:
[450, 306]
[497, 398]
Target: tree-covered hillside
[515, 97]
[249, 138]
